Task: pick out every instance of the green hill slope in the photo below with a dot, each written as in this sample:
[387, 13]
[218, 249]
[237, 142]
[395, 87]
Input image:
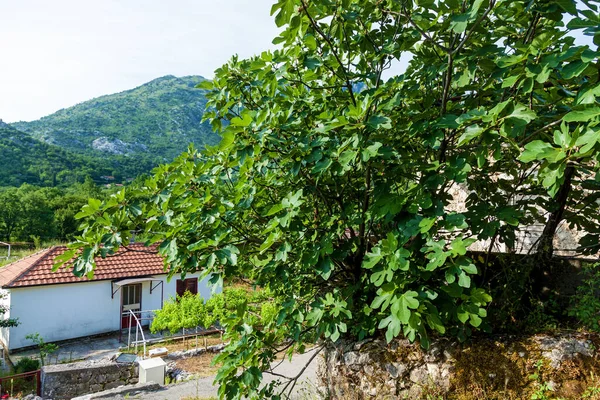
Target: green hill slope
[152, 123]
[27, 160]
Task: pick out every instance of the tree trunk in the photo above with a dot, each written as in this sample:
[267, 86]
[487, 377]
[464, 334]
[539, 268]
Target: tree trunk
[540, 276]
[545, 249]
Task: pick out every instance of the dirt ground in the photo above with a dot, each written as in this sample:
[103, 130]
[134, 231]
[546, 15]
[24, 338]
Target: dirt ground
[200, 366]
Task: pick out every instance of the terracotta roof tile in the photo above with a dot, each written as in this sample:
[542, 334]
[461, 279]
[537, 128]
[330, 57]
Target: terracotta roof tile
[135, 261]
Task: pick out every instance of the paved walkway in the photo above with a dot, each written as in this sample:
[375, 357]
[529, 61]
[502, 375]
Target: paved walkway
[203, 388]
[76, 350]
[89, 348]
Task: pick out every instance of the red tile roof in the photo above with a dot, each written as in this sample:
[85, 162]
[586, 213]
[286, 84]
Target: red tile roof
[134, 261]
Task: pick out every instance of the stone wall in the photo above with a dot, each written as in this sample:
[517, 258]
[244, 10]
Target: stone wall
[65, 381]
[566, 239]
[498, 367]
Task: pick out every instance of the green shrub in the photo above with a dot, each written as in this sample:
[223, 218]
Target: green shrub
[585, 305]
[26, 364]
[190, 311]
[44, 348]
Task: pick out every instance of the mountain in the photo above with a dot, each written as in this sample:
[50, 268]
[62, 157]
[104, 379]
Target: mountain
[150, 124]
[28, 160]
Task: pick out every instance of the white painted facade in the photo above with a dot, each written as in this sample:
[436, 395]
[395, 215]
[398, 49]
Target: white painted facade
[72, 310]
[5, 302]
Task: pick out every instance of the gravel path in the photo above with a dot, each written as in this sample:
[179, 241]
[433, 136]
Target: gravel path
[203, 388]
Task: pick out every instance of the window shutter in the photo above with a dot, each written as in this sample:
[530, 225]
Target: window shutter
[180, 287]
[192, 285]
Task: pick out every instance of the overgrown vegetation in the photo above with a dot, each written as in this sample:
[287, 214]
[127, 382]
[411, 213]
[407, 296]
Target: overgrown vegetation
[335, 188]
[22, 386]
[585, 305]
[190, 311]
[26, 364]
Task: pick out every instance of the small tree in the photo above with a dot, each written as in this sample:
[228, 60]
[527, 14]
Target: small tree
[44, 348]
[11, 212]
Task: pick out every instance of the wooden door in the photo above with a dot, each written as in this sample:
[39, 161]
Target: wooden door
[131, 300]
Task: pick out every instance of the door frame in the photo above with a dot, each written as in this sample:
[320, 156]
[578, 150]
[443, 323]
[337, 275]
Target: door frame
[121, 316]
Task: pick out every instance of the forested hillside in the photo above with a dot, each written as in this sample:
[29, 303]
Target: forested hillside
[39, 214]
[119, 136]
[50, 167]
[154, 122]
[27, 160]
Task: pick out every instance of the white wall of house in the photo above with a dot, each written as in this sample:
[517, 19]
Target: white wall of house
[5, 302]
[67, 311]
[59, 312]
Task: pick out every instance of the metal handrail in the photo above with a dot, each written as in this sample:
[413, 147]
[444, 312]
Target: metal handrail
[149, 317]
[137, 328]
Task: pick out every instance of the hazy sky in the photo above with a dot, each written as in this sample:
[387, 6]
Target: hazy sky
[54, 54]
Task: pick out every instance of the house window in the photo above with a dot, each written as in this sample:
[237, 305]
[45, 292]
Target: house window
[187, 285]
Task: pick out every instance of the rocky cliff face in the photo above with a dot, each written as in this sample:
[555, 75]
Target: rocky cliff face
[117, 146]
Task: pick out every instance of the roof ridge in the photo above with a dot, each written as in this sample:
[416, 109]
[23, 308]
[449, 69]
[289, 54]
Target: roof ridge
[33, 264]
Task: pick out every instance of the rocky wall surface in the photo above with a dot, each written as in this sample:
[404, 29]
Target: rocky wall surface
[500, 367]
[65, 381]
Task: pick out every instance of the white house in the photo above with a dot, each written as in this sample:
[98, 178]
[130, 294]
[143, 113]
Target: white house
[58, 305]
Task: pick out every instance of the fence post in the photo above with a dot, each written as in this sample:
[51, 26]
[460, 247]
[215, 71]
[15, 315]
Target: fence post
[38, 382]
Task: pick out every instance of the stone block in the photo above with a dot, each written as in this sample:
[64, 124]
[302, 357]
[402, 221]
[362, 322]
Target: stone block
[419, 375]
[115, 376]
[85, 375]
[96, 387]
[81, 388]
[113, 385]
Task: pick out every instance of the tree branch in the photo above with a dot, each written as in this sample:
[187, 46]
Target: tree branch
[320, 32]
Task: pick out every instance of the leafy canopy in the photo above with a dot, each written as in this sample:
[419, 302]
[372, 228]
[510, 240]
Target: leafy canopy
[332, 187]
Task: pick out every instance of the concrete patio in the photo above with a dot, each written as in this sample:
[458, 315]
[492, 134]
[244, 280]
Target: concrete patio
[89, 348]
[97, 347]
